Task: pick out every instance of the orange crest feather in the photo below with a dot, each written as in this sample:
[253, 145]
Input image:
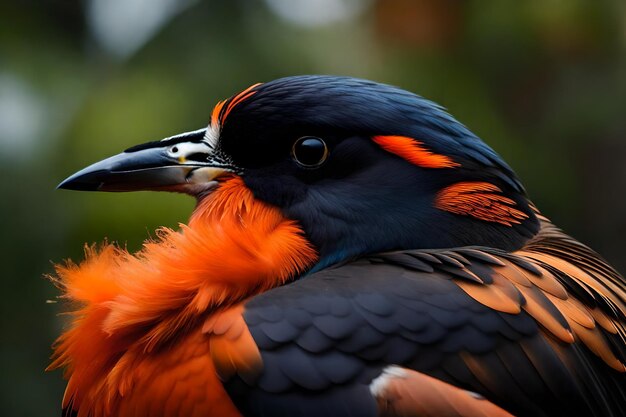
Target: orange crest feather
[220, 113]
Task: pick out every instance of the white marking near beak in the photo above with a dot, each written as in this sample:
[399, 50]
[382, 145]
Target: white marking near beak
[183, 150]
[182, 135]
[212, 135]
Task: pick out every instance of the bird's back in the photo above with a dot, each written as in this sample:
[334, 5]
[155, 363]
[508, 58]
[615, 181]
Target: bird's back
[538, 332]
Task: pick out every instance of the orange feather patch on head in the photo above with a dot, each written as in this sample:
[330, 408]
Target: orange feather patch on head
[133, 304]
[223, 108]
[215, 114]
[245, 94]
[414, 151]
[481, 200]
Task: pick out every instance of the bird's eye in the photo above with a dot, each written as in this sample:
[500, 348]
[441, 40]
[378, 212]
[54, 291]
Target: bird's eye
[309, 151]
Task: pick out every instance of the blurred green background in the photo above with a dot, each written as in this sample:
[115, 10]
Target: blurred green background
[542, 81]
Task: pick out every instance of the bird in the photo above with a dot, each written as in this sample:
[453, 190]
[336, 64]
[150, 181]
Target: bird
[354, 251]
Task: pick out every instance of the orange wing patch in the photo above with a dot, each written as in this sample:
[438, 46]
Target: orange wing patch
[541, 295]
[404, 392]
[587, 323]
[482, 200]
[233, 349]
[414, 151]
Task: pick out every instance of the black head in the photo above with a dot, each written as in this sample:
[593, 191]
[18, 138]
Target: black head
[363, 167]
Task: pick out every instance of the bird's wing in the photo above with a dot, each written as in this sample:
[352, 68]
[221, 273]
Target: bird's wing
[465, 332]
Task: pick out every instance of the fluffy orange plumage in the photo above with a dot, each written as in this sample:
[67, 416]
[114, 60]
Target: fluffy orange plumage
[132, 305]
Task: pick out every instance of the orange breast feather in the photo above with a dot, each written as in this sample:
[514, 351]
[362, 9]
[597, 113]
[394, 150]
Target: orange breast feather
[150, 327]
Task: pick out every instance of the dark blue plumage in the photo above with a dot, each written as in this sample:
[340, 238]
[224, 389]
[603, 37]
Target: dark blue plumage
[439, 288]
[362, 107]
[331, 202]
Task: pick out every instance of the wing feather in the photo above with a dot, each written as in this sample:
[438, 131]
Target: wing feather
[536, 332]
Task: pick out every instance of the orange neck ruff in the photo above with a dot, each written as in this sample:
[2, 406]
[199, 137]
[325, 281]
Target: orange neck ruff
[234, 247]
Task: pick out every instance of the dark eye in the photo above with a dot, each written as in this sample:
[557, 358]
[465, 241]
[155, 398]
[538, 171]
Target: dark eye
[309, 151]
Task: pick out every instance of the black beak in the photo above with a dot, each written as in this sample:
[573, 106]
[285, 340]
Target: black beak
[183, 163]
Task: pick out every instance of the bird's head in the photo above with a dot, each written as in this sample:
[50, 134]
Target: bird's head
[362, 167]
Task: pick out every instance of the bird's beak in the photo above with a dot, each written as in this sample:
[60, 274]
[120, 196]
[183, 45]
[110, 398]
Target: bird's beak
[183, 163]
